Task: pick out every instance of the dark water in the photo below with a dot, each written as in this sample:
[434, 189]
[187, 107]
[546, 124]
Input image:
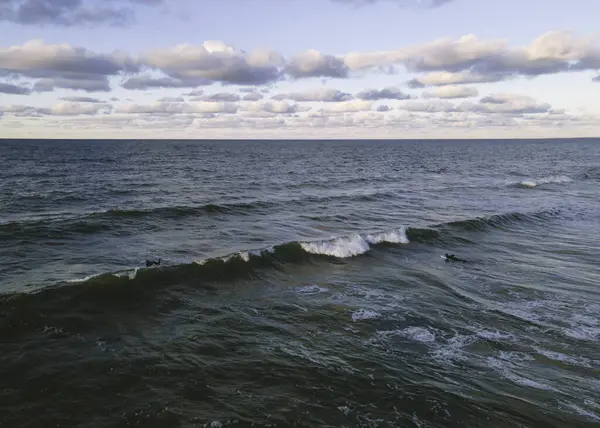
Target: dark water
[301, 284]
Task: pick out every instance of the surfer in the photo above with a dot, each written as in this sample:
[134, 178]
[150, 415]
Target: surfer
[152, 262]
[453, 258]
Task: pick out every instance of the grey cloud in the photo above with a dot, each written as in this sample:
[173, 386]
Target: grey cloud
[596, 79]
[442, 78]
[389, 93]
[507, 103]
[60, 109]
[216, 62]
[383, 108]
[470, 59]
[89, 85]
[253, 96]
[172, 100]
[322, 94]
[316, 64]
[8, 88]
[144, 82]
[223, 96]
[82, 99]
[195, 93]
[37, 59]
[67, 13]
[63, 66]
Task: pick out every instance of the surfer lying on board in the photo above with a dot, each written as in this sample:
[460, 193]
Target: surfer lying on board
[152, 262]
[452, 257]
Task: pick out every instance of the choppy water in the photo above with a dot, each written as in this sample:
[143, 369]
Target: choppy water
[301, 284]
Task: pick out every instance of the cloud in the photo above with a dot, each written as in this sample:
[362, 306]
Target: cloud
[144, 82]
[9, 88]
[63, 66]
[429, 106]
[216, 62]
[441, 62]
[509, 103]
[353, 106]
[195, 93]
[274, 107]
[452, 91]
[82, 99]
[313, 63]
[502, 103]
[469, 59]
[403, 3]
[389, 93]
[223, 96]
[596, 79]
[315, 95]
[60, 109]
[253, 96]
[442, 78]
[72, 109]
[67, 13]
[171, 108]
[172, 100]
[383, 108]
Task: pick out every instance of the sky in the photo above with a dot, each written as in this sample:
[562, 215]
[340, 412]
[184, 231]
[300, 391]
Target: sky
[299, 69]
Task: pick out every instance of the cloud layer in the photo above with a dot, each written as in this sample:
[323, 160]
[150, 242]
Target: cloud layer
[467, 60]
[68, 13]
[218, 86]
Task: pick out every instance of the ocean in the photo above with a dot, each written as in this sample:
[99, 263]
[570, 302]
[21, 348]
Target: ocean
[301, 283]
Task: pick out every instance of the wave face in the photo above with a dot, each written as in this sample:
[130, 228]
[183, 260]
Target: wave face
[300, 283]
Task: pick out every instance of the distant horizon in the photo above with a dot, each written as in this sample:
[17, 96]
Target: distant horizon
[297, 139]
[227, 69]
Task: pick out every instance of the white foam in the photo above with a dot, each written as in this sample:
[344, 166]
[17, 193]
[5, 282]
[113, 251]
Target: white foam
[553, 179]
[494, 335]
[365, 314]
[419, 334]
[340, 247]
[131, 274]
[311, 289]
[84, 279]
[355, 244]
[453, 351]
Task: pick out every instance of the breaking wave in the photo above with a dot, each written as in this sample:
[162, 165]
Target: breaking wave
[553, 179]
[249, 264]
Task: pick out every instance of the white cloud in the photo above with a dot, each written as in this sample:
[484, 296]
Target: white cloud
[171, 108]
[275, 107]
[353, 106]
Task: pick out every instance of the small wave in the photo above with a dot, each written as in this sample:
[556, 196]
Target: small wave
[355, 244]
[553, 179]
